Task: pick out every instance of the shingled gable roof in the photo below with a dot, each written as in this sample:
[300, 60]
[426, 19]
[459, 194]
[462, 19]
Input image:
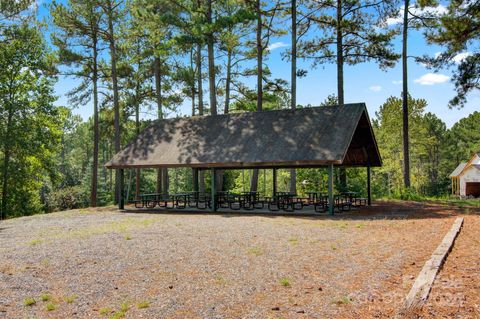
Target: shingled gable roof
[308, 137]
[458, 170]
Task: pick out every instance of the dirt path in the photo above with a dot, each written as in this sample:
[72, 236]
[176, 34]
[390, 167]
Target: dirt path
[456, 291]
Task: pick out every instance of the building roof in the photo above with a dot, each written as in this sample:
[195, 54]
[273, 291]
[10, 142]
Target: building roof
[457, 171]
[308, 137]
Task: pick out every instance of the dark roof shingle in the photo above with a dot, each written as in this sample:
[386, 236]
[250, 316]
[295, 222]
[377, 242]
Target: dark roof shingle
[305, 137]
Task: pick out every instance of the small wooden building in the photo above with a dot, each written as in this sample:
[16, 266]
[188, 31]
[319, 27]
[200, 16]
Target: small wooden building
[466, 178]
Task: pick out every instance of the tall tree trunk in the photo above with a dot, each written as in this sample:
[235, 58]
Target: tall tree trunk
[165, 181]
[228, 82]
[137, 129]
[254, 180]
[192, 93]
[340, 80]
[162, 174]
[116, 103]
[96, 134]
[211, 63]
[259, 43]
[6, 163]
[63, 168]
[406, 148]
[198, 62]
[293, 92]
[259, 56]
[340, 93]
[293, 89]
[158, 93]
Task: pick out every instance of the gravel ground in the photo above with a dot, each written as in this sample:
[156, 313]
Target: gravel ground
[107, 264]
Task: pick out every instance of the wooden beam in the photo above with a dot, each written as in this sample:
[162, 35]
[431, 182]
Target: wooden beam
[418, 295]
[369, 187]
[274, 178]
[121, 200]
[214, 189]
[195, 179]
[330, 190]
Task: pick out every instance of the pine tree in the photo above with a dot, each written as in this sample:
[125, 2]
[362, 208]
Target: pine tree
[457, 31]
[77, 37]
[348, 34]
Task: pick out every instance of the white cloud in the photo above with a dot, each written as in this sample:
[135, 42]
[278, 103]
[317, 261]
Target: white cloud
[460, 57]
[430, 11]
[395, 20]
[431, 79]
[375, 88]
[397, 82]
[277, 45]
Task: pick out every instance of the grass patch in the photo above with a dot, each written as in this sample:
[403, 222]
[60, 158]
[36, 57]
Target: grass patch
[344, 300]
[123, 226]
[104, 311]
[334, 247]
[443, 200]
[257, 251]
[128, 237]
[29, 302]
[285, 282]
[360, 226]
[45, 262]
[70, 299]
[35, 242]
[45, 297]
[221, 281]
[293, 241]
[143, 304]
[50, 306]
[118, 315]
[124, 306]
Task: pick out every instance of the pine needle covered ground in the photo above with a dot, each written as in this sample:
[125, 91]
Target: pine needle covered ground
[106, 264]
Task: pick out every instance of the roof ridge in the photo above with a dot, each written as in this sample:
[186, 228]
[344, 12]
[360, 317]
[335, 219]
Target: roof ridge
[359, 104]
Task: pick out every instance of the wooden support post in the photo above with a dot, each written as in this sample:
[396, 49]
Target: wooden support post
[369, 190]
[214, 190]
[121, 202]
[330, 190]
[195, 179]
[274, 178]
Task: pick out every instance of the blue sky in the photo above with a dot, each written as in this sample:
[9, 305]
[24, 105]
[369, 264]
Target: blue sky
[363, 83]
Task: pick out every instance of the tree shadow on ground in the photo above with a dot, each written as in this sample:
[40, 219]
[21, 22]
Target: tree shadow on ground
[379, 210]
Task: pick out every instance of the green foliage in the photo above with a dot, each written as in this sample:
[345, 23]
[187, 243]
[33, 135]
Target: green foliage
[50, 306]
[362, 39]
[70, 299]
[104, 311]
[285, 282]
[70, 197]
[143, 304]
[30, 129]
[457, 33]
[45, 297]
[29, 302]
[427, 142]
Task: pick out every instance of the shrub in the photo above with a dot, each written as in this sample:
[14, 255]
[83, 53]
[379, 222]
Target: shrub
[67, 198]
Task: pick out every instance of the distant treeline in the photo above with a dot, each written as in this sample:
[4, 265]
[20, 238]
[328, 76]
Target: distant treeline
[153, 56]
